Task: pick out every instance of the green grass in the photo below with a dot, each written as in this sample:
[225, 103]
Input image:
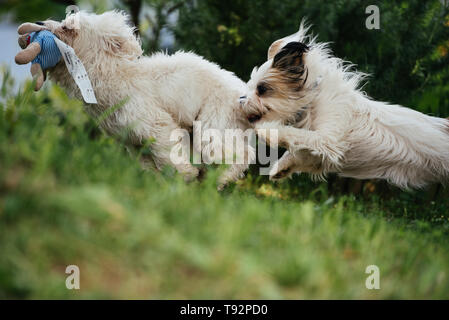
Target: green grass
[71, 195]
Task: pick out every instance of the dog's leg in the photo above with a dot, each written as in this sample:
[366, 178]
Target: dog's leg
[302, 161]
[237, 170]
[162, 147]
[238, 157]
[304, 145]
[283, 167]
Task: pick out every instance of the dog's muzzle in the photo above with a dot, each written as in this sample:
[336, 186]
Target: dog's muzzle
[251, 117]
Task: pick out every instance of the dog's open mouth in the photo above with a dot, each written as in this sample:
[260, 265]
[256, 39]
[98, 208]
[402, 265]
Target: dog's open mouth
[254, 117]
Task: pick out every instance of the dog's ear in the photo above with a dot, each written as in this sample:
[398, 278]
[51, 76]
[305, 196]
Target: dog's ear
[126, 47]
[300, 36]
[274, 48]
[118, 36]
[290, 57]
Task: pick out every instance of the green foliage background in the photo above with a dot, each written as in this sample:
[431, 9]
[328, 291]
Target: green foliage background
[406, 57]
[71, 195]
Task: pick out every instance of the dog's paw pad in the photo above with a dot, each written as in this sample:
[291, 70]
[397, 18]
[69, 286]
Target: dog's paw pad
[281, 174]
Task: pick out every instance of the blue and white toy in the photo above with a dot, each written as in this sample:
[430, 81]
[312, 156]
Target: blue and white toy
[39, 48]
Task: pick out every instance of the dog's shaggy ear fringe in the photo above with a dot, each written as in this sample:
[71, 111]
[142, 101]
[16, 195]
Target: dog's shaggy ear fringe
[290, 55]
[300, 36]
[290, 62]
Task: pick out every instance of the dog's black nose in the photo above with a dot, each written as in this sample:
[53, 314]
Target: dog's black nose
[254, 117]
[39, 23]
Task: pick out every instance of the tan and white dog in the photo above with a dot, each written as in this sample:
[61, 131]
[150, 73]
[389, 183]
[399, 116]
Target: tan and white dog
[328, 124]
[162, 92]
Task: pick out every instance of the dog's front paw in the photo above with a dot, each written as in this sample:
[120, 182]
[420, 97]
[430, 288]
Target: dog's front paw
[221, 186]
[190, 173]
[231, 175]
[283, 168]
[223, 183]
[279, 175]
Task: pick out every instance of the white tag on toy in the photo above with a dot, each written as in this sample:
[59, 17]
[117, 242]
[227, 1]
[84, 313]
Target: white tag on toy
[77, 71]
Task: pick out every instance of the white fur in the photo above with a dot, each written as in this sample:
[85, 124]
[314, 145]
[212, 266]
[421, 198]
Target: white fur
[164, 92]
[344, 131]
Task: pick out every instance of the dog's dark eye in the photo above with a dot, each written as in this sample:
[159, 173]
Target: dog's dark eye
[261, 89]
[64, 28]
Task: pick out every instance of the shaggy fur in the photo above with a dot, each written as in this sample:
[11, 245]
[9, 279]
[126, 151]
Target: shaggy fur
[162, 92]
[328, 124]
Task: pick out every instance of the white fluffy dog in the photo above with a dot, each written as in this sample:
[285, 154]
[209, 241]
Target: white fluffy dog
[328, 124]
[162, 92]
